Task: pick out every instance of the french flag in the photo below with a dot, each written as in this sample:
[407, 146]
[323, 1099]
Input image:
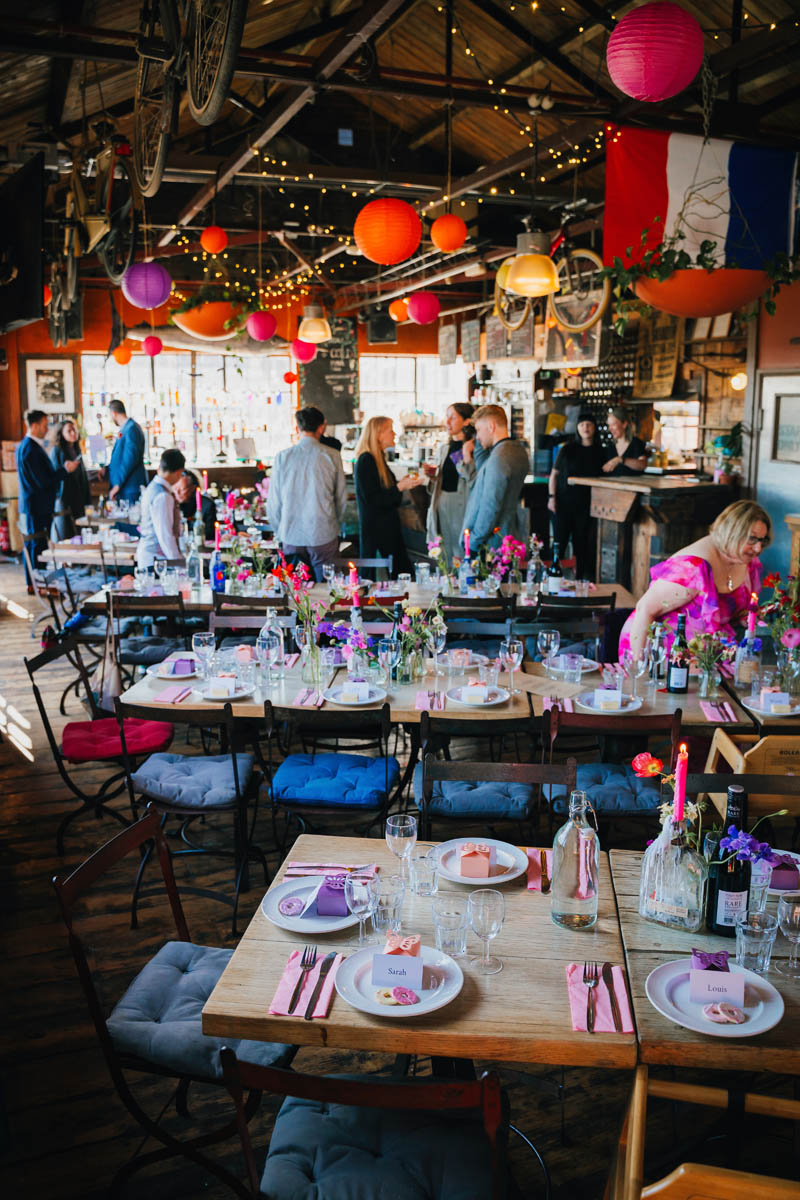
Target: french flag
[741, 197]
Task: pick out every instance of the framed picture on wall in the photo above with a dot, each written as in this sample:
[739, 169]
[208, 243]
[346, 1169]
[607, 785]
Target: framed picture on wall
[721, 325]
[50, 384]
[701, 329]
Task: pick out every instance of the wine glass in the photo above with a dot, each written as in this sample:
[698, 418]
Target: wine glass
[789, 922]
[159, 568]
[547, 643]
[486, 915]
[511, 656]
[437, 637]
[362, 900]
[328, 572]
[388, 657]
[636, 665]
[401, 838]
[203, 646]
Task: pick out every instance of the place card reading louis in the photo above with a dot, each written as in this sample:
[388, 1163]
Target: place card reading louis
[709, 987]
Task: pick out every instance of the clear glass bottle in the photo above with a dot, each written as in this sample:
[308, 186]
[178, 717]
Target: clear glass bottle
[672, 890]
[273, 625]
[575, 886]
[194, 567]
[748, 661]
[534, 574]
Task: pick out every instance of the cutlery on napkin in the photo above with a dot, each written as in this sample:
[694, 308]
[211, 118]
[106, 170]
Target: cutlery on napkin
[717, 712]
[429, 701]
[535, 857]
[565, 703]
[299, 870]
[604, 1015]
[321, 996]
[289, 660]
[308, 698]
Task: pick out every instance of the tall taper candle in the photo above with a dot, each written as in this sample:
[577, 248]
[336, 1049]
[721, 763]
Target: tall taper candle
[751, 616]
[681, 768]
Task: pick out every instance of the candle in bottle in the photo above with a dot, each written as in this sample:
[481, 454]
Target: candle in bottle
[198, 496]
[466, 543]
[751, 616]
[216, 535]
[681, 768]
[353, 575]
[205, 481]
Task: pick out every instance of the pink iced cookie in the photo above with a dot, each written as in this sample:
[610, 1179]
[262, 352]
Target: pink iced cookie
[724, 1013]
[396, 943]
[404, 995]
[290, 906]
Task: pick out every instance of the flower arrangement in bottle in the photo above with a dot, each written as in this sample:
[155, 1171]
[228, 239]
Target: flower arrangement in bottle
[708, 650]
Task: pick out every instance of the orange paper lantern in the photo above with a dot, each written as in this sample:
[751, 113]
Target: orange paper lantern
[122, 355]
[387, 231]
[448, 233]
[213, 239]
[290, 377]
[48, 295]
[398, 309]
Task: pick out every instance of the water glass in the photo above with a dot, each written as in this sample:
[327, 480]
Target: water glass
[489, 672]
[450, 925]
[404, 582]
[425, 874]
[246, 673]
[401, 838]
[362, 898]
[203, 646]
[755, 937]
[486, 909]
[789, 922]
[141, 576]
[760, 876]
[573, 664]
[582, 588]
[388, 911]
[268, 648]
[422, 572]
[388, 657]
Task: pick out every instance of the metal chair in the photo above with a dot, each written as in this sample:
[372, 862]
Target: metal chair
[148, 649]
[366, 564]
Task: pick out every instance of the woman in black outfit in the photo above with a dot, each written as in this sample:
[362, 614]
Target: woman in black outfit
[379, 496]
[570, 503]
[628, 455]
[74, 493]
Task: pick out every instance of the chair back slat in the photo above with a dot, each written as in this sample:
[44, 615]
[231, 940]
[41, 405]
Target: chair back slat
[221, 602]
[555, 720]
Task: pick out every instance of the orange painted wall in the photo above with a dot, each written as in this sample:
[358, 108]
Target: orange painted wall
[775, 349]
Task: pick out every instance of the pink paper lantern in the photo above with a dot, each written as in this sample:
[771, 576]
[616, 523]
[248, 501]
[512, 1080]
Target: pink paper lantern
[146, 285]
[261, 325]
[152, 345]
[303, 352]
[655, 51]
[423, 307]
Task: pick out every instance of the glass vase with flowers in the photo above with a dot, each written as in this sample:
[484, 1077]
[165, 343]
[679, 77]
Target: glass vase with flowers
[708, 651]
[415, 631]
[296, 582]
[781, 613]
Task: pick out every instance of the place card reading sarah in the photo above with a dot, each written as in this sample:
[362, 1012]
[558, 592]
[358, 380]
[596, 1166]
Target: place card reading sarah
[389, 970]
[607, 699]
[221, 686]
[708, 987]
[354, 693]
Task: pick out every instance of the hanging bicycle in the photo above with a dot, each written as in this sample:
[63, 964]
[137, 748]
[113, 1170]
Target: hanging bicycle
[584, 295]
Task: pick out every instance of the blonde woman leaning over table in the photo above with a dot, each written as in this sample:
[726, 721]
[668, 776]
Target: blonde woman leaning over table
[710, 581]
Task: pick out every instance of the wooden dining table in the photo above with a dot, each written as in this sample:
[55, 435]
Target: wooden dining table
[521, 1014]
[765, 723]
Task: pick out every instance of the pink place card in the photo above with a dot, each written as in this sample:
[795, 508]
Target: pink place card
[173, 694]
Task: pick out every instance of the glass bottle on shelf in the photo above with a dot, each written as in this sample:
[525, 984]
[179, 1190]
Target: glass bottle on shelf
[575, 875]
[678, 668]
[673, 882]
[728, 880]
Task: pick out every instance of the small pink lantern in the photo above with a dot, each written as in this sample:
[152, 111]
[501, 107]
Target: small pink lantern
[303, 352]
[152, 345]
[655, 51]
[146, 285]
[423, 307]
[261, 325]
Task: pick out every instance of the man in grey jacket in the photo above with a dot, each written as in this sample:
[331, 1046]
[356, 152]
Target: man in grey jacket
[493, 508]
[307, 494]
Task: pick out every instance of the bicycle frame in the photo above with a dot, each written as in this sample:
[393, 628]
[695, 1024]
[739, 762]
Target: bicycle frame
[89, 210]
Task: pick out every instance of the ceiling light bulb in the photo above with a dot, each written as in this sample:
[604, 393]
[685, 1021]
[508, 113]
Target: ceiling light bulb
[314, 326]
[739, 381]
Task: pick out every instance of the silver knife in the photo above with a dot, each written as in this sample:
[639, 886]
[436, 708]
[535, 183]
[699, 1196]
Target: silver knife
[608, 980]
[327, 963]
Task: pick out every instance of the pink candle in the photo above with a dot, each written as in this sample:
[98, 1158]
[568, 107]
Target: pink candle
[216, 535]
[353, 576]
[466, 543]
[751, 616]
[199, 500]
[681, 768]
[205, 481]
[356, 599]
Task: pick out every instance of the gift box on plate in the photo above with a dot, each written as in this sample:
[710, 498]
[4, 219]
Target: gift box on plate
[785, 873]
[398, 943]
[704, 960]
[477, 860]
[331, 901]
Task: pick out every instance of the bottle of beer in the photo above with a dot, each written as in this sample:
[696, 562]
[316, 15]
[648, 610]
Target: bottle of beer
[678, 668]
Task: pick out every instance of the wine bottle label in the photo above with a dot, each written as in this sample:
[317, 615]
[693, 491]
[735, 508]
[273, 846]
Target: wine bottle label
[554, 585]
[730, 905]
[669, 910]
[678, 677]
[746, 669]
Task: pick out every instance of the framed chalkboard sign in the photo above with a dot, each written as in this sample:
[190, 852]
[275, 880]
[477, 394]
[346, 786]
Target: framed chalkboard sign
[471, 341]
[330, 381]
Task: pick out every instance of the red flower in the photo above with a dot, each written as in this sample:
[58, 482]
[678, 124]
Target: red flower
[646, 765]
[772, 580]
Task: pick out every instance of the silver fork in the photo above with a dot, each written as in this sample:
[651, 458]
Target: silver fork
[591, 978]
[306, 964]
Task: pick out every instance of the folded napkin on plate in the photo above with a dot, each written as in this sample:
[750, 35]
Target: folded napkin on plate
[709, 960]
[173, 694]
[717, 712]
[285, 989]
[565, 703]
[535, 867]
[308, 698]
[603, 1020]
[296, 870]
[289, 660]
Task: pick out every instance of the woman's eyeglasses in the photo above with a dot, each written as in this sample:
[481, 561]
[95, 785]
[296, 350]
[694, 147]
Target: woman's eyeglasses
[756, 541]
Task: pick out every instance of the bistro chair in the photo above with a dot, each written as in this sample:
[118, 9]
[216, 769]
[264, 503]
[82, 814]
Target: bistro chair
[96, 742]
[155, 1027]
[192, 787]
[148, 649]
[477, 608]
[375, 1139]
[470, 633]
[366, 564]
[247, 614]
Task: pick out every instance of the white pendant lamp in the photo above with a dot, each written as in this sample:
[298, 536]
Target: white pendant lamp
[314, 326]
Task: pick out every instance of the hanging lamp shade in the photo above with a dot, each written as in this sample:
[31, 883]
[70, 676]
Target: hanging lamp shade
[122, 354]
[532, 271]
[655, 51]
[398, 309]
[387, 231]
[423, 307]
[314, 326]
[261, 325]
[448, 233]
[152, 345]
[303, 352]
[146, 285]
[213, 239]
[502, 273]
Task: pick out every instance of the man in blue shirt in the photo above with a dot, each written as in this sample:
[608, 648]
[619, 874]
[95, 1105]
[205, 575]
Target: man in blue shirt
[126, 472]
[38, 484]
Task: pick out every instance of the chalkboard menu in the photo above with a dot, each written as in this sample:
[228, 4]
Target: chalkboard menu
[471, 341]
[496, 336]
[330, 382]
[448, 341]
[521, 340]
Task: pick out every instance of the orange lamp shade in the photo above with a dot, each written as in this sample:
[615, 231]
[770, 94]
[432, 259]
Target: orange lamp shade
[122, 355]
[213, 239]
[398, 309]
[532, 275]
[448, 233]
[502, 272]
[387, 231]
[48, 295]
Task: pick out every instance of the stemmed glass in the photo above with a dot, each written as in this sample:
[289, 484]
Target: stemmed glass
[203, 646]
[437, 637]
[362, 900]
[658, 654]
[547, 643]
[511, 656]
[159, 568]
[268, 646]
[636, 665]
[388, 657]
[401, 838]
[487, 910]
[789, 922]
[328, 572]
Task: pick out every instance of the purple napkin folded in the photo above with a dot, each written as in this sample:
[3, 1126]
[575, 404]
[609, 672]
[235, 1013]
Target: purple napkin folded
[706, 960]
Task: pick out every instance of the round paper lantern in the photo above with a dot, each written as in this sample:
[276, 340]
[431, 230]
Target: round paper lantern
[122, 355]
[398, 309]
[48, 295]
[213, 239]
[448, 233]
[146, 285]
[261, 325]
[152, 345]
[387, 231]
[423, 307]
[655, 51]
[290, 377]
[303, 352]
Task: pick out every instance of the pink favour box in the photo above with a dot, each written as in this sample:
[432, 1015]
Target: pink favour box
[785, 874]
[408, 944]
[477, 860]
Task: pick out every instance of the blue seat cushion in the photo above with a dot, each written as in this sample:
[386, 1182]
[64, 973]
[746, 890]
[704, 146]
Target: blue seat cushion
[323, 1151]
[146, 651]
[611, 788]
[158, 1018]
[192, 782]
[335, 780]
[468, 799]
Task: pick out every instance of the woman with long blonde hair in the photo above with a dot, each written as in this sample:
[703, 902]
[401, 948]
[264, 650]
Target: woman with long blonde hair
[379, 496]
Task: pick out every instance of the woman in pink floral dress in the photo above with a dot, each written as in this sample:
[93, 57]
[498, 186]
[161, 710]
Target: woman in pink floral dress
[710, 581]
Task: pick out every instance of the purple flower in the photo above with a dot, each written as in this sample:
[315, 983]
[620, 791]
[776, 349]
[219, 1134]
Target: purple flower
[746, 847]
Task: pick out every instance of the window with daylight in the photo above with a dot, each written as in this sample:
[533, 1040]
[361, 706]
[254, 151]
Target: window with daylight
[392, 384]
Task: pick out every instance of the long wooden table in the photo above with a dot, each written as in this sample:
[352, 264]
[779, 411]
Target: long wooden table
[764, 724]
[519, 1015]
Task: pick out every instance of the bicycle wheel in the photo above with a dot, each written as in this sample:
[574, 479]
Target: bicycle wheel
[69, 278]
[583, 297]
[118, 247]
[512, 309]
[214, 35]
[154, 108]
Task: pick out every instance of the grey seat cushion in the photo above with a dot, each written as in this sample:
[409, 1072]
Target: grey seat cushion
[158, 1018]
[337, 1152]
[146, 651]
[611, 788]
[241, 639]
[491, 801]
[192, 782]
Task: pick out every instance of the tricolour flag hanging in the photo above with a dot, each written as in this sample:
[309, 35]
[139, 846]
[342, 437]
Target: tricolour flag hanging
[741, 197]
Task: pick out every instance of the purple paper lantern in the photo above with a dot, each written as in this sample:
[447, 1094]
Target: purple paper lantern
[423, 307]
[655, 51]
[146, 285]
[261, 325]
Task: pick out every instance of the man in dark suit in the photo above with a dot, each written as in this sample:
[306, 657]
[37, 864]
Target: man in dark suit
[126, 472]
[38, 484]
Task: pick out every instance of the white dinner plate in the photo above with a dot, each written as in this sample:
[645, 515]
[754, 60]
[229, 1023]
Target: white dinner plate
[239, 694]
[511, 862]
[667, 989]
[334, 694]
[158, 670]
[460, 695]
[629, 705]
[763, 712]
[301, 888]
[779, 891]
[587, 666]
[442, 980]
[475, 661]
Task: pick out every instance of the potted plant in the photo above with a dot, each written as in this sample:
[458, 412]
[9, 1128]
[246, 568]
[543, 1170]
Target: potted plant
[215, 312]
[728, 448]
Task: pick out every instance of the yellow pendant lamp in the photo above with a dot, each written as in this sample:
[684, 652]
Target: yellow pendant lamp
[532, 271]
[314, 326]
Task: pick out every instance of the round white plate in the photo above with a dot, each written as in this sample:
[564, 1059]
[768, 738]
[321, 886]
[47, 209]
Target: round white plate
[442, 980]
[587, 666]
[779, 891]
[629, 705]
[157, 670]
[476, 660]
[311, 925]
[239, 694]
[511, 862]
[667, 990]
[334, 694]
[762, 712]
[497, 695]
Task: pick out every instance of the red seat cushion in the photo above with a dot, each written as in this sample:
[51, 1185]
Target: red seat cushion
[86, 741]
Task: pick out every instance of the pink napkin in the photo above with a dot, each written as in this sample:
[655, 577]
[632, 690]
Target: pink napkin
[289, 660]
[291, 973]
[718, 712]
[296, 870]
[564, 703]
[308, 698]
[428, 701]
[173, 694]
[535, 867]
[603, 1020]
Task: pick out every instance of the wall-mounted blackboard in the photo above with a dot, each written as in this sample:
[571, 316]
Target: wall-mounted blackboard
[330, 382]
